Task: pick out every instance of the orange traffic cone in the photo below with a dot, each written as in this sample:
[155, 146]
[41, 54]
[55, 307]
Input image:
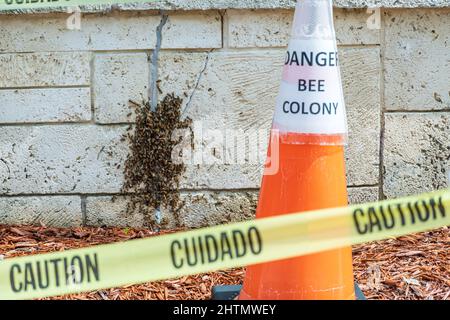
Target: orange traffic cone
[311, 123]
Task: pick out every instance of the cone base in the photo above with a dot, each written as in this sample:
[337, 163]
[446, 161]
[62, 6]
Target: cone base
[322, 276]
[231, 292]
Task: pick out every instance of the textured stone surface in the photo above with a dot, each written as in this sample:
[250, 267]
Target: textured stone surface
[363, 195]
[61, 159]
[179, 73]
[219, 176]
[43, 69]
[416, 153]
[263, 28]
[103, 211]
[361, 74]
[229, 98]
[226, 89]
[45, 105]
[243, 98]
[236, 104]
[245, 4]
[231, 88]
[110, 32]
[356, 26]
[56, 211]
[212, 208]
[119, 78]
[200, 209]
[417, 60]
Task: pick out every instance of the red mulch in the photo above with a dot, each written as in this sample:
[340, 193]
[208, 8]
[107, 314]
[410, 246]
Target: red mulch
[411, 267]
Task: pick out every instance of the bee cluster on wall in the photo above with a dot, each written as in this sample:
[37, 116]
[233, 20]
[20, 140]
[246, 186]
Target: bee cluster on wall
[151, 177]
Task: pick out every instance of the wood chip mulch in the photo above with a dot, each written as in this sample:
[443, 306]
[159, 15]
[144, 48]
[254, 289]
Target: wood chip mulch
[411, 267]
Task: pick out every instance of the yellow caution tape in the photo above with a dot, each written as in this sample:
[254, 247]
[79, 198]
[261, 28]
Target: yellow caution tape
[220, 247]
[40, 4]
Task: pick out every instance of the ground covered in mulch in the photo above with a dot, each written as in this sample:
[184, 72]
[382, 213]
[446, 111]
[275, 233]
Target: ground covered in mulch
[411, 267]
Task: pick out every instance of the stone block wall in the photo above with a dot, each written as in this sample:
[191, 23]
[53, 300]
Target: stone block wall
[64, 104]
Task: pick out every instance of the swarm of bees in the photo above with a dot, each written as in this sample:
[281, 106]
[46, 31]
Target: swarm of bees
[151, 177]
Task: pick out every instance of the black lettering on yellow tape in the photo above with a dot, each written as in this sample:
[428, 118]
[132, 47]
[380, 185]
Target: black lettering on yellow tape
[58, 272]
[388, 216]
[210, 248]
[26, 2]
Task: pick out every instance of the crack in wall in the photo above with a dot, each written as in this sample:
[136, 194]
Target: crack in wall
[154, 82]
[382, 171]
[83, 210]
[155, 63]
[197, 83]
[7, 167]
[224, 21]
